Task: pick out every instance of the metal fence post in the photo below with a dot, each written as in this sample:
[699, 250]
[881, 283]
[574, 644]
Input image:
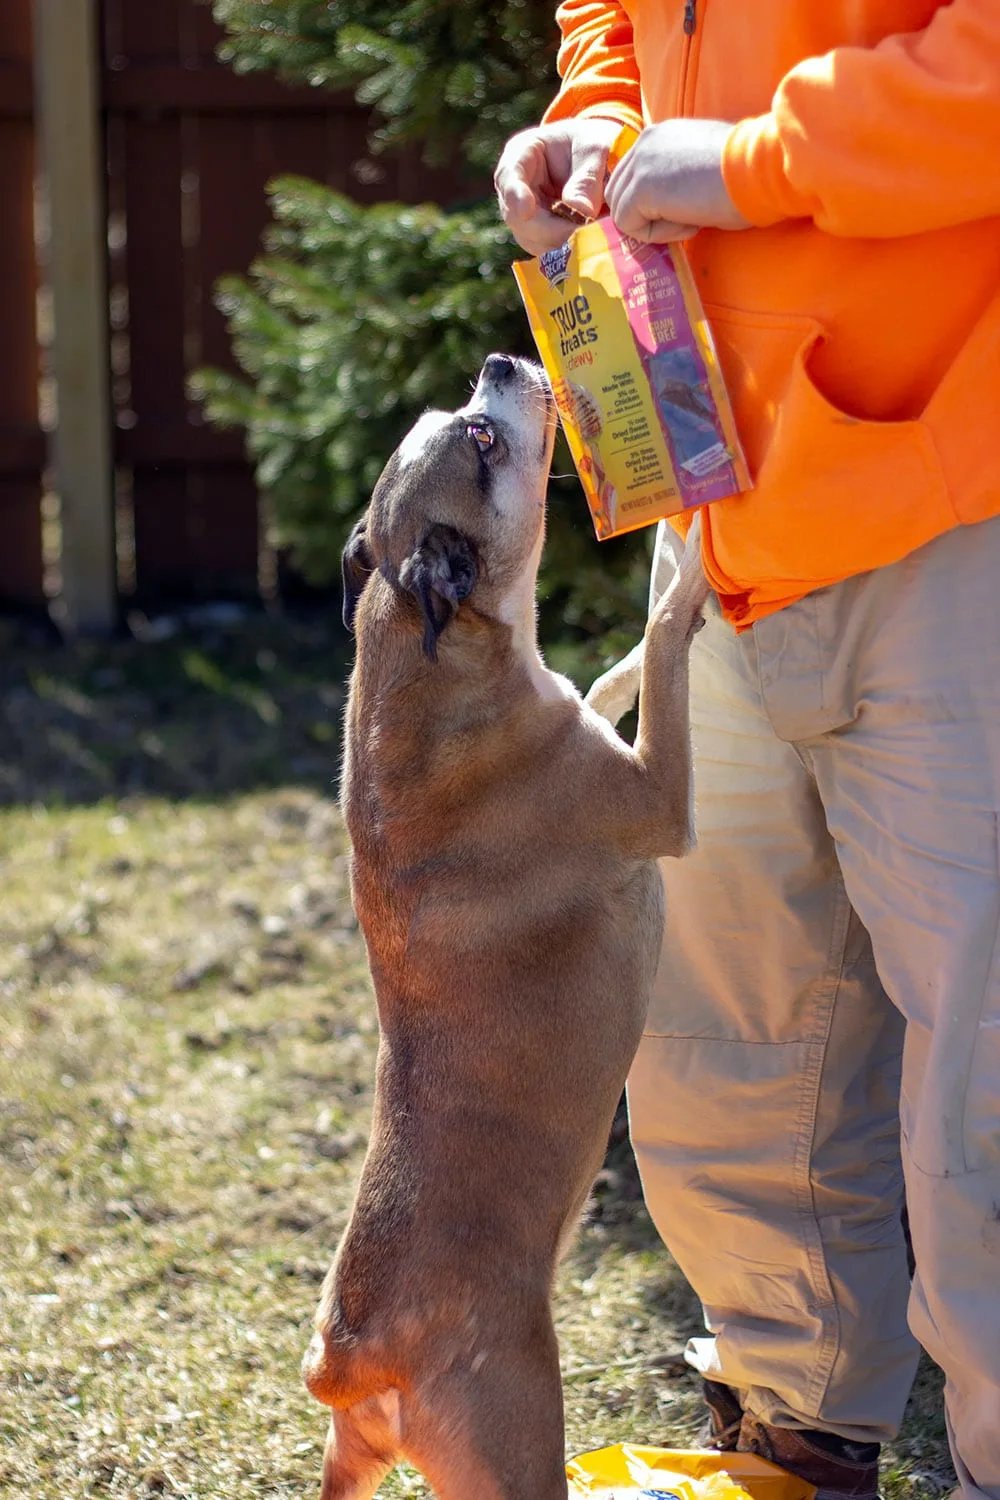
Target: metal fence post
[69, 132]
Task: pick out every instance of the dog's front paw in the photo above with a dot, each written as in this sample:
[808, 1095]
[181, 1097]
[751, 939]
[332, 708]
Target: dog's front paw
[691, 588]
[680, 607]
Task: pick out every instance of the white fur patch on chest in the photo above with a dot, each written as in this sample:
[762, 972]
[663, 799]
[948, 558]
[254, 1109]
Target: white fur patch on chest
[416, 440]
[550, 686]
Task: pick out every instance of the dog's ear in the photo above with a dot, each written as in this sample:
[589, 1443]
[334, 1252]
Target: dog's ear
[440, 574]
[356, 566]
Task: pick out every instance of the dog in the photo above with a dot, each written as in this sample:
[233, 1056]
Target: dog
[503, 875]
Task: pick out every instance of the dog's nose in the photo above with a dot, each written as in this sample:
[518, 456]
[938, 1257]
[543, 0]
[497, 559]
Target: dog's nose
[499, 368]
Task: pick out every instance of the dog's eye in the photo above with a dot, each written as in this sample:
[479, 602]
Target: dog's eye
[481, 435]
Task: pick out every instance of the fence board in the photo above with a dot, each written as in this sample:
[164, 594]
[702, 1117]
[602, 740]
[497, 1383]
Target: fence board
[235, 161]
[154, 264]
[21, 443]
[148, 32]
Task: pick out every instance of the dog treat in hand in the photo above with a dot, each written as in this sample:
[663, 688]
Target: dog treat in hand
[567, 211]
[628, 351]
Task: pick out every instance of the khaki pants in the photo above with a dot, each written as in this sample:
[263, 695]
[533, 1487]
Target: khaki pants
[831, 966]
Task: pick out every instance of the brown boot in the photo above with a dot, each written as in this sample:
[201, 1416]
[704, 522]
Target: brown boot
[722, 1430]
[840, 1469]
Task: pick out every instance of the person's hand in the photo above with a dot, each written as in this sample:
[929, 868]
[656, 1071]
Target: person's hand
[670, 184]
[566, 160]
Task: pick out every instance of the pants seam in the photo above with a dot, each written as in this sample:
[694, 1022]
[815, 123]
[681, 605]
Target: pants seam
[991, 974]
[762, 696]
[820, 660]
[827, 1309]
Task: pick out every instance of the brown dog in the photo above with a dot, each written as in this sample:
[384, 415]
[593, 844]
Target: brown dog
[503, 847]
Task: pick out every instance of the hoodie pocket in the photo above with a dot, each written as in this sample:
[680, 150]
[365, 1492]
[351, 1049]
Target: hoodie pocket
[834, 494]
[963, 417]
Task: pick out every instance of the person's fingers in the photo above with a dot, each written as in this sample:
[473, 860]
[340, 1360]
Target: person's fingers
[663, 232]
[523, 181]
[625, 208]
[543, 231]
[628, 217]
[623, 205]
[517, 201]
[584, 189]
[519, 172]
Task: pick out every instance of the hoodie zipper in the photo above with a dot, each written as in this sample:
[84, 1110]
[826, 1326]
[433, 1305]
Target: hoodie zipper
[690, 27]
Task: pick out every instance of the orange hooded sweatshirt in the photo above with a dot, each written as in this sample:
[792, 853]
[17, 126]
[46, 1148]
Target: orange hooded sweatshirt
[858, 325]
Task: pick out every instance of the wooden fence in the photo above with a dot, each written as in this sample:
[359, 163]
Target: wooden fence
[186, 149]
[22, 445]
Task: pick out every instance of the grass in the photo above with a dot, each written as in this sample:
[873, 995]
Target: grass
[186, 1048]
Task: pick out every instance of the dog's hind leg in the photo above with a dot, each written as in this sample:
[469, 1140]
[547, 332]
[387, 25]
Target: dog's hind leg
[361, 1448]
[494, 1430]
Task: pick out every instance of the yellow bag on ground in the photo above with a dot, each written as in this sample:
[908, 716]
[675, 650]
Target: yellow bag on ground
[628, 1473]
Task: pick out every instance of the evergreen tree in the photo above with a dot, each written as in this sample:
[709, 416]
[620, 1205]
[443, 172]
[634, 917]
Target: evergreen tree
[355, 319]
[451, 77]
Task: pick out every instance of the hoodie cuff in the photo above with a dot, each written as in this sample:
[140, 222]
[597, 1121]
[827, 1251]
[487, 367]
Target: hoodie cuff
[622, 114]
[753, 169]
[569, 105]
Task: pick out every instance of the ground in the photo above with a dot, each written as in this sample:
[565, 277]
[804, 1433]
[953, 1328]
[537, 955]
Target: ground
[186, 1048]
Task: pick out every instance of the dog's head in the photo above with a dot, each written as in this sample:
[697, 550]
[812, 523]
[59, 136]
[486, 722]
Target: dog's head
[458, 512]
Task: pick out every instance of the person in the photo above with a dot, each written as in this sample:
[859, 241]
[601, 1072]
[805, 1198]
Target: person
[827, 1013]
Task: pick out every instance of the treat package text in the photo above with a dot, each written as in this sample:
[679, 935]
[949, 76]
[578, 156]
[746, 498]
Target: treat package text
[629, 354]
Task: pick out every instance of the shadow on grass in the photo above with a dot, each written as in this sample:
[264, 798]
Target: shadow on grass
[232, 701]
